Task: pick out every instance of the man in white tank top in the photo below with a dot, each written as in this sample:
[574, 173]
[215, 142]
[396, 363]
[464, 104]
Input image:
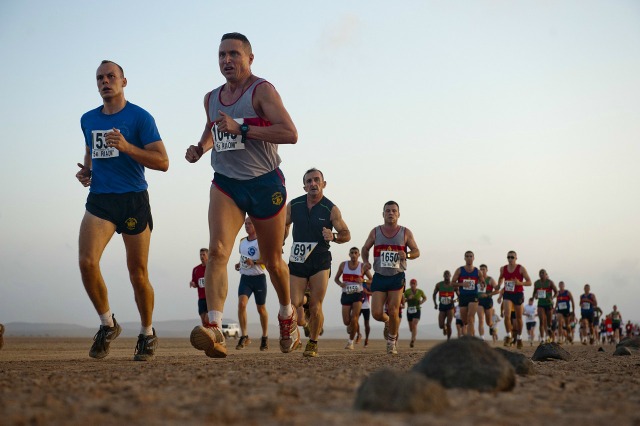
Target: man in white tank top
[393, 246]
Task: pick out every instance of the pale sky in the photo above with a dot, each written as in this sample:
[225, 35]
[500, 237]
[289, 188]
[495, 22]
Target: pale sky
[495, 125]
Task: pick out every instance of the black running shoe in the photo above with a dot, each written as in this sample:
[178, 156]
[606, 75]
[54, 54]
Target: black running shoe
[146, 347]
[264, 343]
[244, 341]
[103, 338]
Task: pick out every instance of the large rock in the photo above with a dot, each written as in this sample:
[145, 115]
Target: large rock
[549, 351]
[621, 351]
[390, 390]
[523, 365]
[630, 342]
[467, 363]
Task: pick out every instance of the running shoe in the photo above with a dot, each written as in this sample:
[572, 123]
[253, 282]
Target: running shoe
[358, 338]
[103, 338]
[349, 346]
[412, 343]
[507, 341]
[243, 342]
[311, 350]
[385, 332]
[146, 347]
[366, 342]
[209, 339]
[519, 344]
[264, 343]
[391, 348]
[289, 334]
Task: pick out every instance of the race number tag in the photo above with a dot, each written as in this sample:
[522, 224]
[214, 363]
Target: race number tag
[509, 285]
[223, 141]
[389, 259]
[201, 282]
[586, 306]
[99, 148]
[562, 306]
[469, 284]
[482, 288]
[445, 300]
[412, 309]
[542, 294]
[243, 262]
[301, 251]
[352, 288]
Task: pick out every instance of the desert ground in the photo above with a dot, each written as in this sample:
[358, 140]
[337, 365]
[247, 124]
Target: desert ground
[52, 381]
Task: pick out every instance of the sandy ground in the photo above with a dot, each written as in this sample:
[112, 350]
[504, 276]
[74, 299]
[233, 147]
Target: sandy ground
[53, 381]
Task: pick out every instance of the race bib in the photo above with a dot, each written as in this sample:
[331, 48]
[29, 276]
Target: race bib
[301, 251]
[562, 306]
[586, 306]
[482, 288]
[542, 294]
[201, 282]
[412, 309]
[243, 262]
[99, 148]
[352, 288]
[509, 286]
[469, 284]
[389, 259]
[445, 300]
[223, 141]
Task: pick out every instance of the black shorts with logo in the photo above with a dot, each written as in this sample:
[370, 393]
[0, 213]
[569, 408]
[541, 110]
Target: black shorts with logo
[350, 299]
[130, 211]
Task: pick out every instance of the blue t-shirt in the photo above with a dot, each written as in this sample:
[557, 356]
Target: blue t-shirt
[115, 172]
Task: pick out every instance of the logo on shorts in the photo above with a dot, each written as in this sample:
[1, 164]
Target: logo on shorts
[131, 223]
[277, 198]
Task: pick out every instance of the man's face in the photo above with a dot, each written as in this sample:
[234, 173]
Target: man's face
[511, 257]
[314, 183]
[468, 258]
[531, 301]
[248, 226]
[203, 257]
[234, 60]
[543, 274]
[484, 270]
[413, 284]
[561, 285]
[110, 81]
[587, 288]
[354, 255]
[447, 275]
[391, 213]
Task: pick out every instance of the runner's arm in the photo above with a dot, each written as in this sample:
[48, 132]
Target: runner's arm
[366, 247]
[339, 274]
[268, 104]
[195, 152]
[414, 251]
[343, 235]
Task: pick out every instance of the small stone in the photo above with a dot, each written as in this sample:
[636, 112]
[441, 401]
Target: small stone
[622, 351]
[523, 365]
[549, 351]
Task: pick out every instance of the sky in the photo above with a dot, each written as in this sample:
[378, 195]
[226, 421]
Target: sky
[495, 125]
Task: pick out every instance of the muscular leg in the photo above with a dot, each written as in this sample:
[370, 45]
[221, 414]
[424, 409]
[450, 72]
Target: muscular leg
[471, 318]
[298, 285]
[225, 220]
[481, 320]
[542, 315]
[449, 314]
[506, 309]
[318, 283]
[378, 300]
[394, 299]
[137, 248]
[264, 319]
[95, 234]
[355, 314]
[346, 314]
[243, 300]
[414, 328]
[519, 324]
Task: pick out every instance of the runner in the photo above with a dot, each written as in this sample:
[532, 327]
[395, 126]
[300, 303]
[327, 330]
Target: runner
[352, 292]
[121, 139]
[545, 291]
[466, 279]
[246, 121]
[392, 246]
[616, 323]
[313, 217]
[628, 328]
[365, 311]
[414, 298]
[487, 288]
[530, 313]
[514, 277]
[197, 281]
[588, 304]
[444, 292]
[494, 327]
[564, 310]
[252, 281]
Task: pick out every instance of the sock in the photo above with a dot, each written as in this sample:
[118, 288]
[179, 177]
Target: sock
[146, 331]
[519, 337]
[107, 319]
[215, 317]
[313, 341]
[392, 338]
[350, 342]
[286, 311]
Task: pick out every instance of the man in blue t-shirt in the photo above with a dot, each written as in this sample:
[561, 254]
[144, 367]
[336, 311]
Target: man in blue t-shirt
[121, 139]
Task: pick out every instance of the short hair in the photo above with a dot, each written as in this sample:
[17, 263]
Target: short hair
[311, 170]
[355, 248]
[106, 61]
[512, 251]
[206, 250]
[413, 280]
[240, 37]
[484, 266]
[468, 251]
[389, 203]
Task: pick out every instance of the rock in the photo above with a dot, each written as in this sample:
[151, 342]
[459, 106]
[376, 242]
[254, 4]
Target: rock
[600, 349]
[630, 342]
[548, 351]
[390, 390]
[523, 365]
[467, 363]
[621, 351]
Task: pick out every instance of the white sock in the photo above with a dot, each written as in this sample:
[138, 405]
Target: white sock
[350, 342]
[215, 317]
[392, 339]
[107, 319]
[519, 337]
[286, 311]
[146, 331]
